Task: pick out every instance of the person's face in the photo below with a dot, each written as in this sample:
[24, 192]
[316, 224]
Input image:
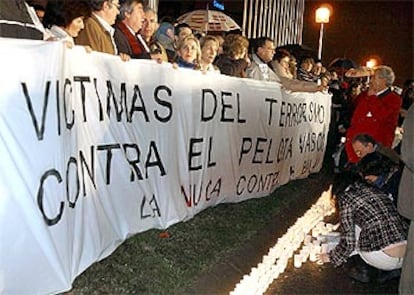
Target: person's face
[377, 83]
[209, 51]
[267, 51]
[135, 18]
[111, 11]
[188, 51]
[241, 53]
[307, 65]
[325, 81]
[75, 27]
[184, 32]
[40, 14]
[149, 25]
[317, 68]
[362, 150]
[285, 63]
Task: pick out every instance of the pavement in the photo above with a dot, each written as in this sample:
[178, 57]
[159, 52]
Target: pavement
[311, 278]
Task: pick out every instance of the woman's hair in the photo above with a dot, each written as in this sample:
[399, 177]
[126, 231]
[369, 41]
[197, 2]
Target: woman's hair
[62, 12]
[373, 164]
[235, 44]
[342, 181]
[207, 38]
[280, 54]
[182, 43]
[308, 59]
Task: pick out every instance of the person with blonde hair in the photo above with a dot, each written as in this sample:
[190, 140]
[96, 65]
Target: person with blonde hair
[188, 52]
[209, 48]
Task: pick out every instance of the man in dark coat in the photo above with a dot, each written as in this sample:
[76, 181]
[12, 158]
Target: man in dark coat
[127, 37]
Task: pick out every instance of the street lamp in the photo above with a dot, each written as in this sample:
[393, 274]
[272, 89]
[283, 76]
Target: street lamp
[321, 17]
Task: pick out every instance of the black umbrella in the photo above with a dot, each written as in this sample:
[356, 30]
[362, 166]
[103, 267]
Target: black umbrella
[343, 64]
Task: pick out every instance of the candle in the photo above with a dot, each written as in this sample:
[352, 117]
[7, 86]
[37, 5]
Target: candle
[297, 260]
[275, 262]
[324, 248]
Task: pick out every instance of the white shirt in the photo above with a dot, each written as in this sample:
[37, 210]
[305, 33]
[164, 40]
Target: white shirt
[60, 34]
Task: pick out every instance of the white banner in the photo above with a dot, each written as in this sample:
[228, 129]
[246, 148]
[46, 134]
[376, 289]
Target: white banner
[95, 149]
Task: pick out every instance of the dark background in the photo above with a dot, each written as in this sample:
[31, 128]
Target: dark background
[358, 29]
[361, 29]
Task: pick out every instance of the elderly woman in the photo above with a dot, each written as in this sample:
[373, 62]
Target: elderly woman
[371, 229]
[188, 53]
[209, 48]
[64, 19]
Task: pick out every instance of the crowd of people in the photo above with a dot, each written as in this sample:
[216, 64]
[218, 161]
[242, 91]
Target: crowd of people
[375, 193]
[132, 31]
[374, 186]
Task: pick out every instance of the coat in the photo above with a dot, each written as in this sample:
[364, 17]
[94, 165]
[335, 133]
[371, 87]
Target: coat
[406, 201]
[15, 21]
[406, 190]
[376, 116]
[95, 36]
[128, 43]
[259, 70]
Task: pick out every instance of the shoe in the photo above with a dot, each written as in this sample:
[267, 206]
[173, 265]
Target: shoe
[384, 275]
[357, 269]
[354, 261]
[359, 274]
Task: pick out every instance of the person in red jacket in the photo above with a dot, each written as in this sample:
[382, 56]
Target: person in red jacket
[376, 112]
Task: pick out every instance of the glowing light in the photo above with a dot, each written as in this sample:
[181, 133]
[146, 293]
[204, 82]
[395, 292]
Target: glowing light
[322, 15]
[275, 261]
[371, 63]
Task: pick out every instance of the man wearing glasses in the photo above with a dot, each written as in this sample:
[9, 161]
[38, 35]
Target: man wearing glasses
[263, 51]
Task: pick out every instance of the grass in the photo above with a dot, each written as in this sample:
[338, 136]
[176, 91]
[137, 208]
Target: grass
[150, 264]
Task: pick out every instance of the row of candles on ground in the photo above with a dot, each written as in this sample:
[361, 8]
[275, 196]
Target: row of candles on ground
[309, 231]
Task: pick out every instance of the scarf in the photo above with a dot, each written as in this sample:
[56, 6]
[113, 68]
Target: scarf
[136, 46]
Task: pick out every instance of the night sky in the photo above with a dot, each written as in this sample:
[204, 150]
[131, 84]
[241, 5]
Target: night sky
[362, 29]
[358, 29]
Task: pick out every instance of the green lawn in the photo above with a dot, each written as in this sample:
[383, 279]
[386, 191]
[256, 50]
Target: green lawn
[148, 263]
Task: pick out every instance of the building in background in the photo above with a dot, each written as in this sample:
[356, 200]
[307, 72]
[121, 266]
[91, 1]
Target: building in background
[358, 30]
[279, 20]
[361, 30]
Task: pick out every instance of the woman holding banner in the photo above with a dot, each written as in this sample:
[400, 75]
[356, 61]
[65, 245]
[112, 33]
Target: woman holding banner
[64, 19]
